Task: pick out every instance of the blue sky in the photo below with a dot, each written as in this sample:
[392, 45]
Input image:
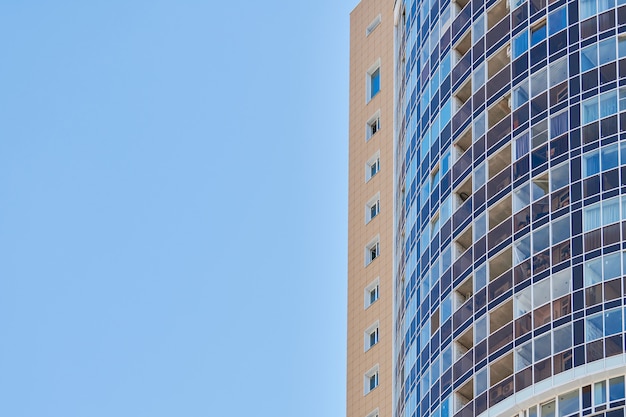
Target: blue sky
[173, 207]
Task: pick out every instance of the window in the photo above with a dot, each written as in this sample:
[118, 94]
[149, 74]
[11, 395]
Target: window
[371, 293]
[589, 57]
[373, 125]
[558, 72]
[520, 44]
[373, 81]
[621, 46]
[372, 166]
[520, 94]
[606, 51]
[370, 337]
[608, 103]
[373, 413]
[372, 208]
[372, 251]
[537, 33]
[557, 20]
[558, 124]
[373, 25]
[587, 8]
[370, 380]
[589, 109]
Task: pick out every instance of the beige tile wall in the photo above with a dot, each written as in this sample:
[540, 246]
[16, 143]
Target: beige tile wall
[364, 52]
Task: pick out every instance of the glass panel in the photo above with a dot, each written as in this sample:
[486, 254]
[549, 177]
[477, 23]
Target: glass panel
[541, 293]
[523, 356]
[613, 322]
[587, 8]
[561, 283]
[612, 266]
[548, 410]
[568, 403]
[558, 72]
[521, 197]
[609, 157]
[591, 163]
[562, 338]
[606, 50]
[537, 34]
[539, 82]
[589, 57]
[522, 250]
[541, 239]
[589, 110]
[599, 393]
[616, 388]
[558, 124]
[521, 302]
[593, 272]
[520, 94]
[610, 211]
[557, 20]
[520, 44]
[594, 329]
[608, 103]
[560, 230]
[559, 177]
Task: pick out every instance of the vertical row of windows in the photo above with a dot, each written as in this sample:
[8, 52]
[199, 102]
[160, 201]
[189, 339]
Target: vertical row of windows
[372, 209]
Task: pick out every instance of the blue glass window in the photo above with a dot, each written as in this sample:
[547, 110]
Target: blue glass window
[587, 8]
[608, 103]
[374, 82]
[557, 20]
[445, 66]
[589, 57]
[520, 44]
[607, 51]
[589, 110]
[616, 388]
[591, 164]
[446, 113]
[537, 34]
[594, 329]
[605, 5]
[609, 157]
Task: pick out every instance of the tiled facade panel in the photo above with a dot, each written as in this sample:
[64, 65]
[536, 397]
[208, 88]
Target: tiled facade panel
[370, 228]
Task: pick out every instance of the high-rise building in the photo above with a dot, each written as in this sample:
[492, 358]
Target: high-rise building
[498, 243]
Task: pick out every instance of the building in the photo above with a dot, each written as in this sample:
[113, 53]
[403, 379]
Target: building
[370, 229]
[498, 243]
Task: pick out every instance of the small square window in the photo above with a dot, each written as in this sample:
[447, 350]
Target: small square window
[372, 166]
[370, 337]
[372, 251]
[370, 380]
[373, 125]
[372, 208]
[371, 293]
[373, 25]
[373, 81]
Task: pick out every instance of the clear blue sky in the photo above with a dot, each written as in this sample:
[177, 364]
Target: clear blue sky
[173, 207]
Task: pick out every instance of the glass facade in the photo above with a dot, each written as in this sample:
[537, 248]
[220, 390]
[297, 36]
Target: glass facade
[510, 211]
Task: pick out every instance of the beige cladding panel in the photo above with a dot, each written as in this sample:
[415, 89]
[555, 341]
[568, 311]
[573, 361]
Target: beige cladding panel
[364, 52]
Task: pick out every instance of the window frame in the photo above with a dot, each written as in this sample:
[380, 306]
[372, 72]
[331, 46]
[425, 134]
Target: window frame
[373, 287]
[373, 80]
[371, 374]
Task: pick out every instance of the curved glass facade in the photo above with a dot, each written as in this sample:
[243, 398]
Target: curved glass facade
[510, 211]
